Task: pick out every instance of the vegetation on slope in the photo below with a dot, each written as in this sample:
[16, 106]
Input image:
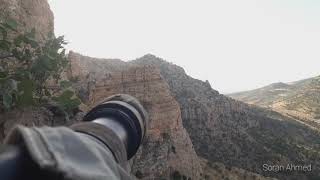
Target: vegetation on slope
[299, 100]
[28, 66]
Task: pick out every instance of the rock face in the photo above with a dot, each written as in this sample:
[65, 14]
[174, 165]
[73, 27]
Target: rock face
[236, 134]
[27, 117]
[221, 129]
[168, 148]
[89, 70]
[29, 14]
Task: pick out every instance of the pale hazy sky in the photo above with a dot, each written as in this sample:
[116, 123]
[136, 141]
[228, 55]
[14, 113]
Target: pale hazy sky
[235, 44]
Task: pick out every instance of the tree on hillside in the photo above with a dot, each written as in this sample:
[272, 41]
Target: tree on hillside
[26, 67]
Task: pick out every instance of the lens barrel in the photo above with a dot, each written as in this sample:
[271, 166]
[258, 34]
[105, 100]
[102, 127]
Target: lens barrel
[125, 116]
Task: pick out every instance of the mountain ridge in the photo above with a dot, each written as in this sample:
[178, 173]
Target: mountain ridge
[298, 99]
[194, 132]
[222, 129]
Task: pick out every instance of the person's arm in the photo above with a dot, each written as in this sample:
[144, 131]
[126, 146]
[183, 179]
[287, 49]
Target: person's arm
[56, 153]
[96, 149]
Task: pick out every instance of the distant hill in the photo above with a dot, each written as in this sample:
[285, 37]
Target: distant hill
[300, 99]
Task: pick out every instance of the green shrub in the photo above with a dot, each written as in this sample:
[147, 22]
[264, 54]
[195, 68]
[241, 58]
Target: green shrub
[26, 66]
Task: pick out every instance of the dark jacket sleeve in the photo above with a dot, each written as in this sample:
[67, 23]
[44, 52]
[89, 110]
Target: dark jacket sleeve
[63, 151]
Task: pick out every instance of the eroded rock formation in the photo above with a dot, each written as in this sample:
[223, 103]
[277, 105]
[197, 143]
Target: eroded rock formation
[234, 133]
[29, 14]
[167, 148]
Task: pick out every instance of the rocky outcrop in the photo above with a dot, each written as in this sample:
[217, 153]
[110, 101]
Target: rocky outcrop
[93, 69]
[168, 148]
[236, 134]
[33, 116]
[27, 117]
[222, 130]
[88, 71]
[29, 14]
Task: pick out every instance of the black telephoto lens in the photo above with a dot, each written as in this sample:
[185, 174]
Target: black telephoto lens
[125, 117]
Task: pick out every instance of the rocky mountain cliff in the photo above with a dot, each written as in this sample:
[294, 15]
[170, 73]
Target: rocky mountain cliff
[29, 14]
[221, 129]
[194, 132]
[168, 148]
[299, 100]
[228, 131]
